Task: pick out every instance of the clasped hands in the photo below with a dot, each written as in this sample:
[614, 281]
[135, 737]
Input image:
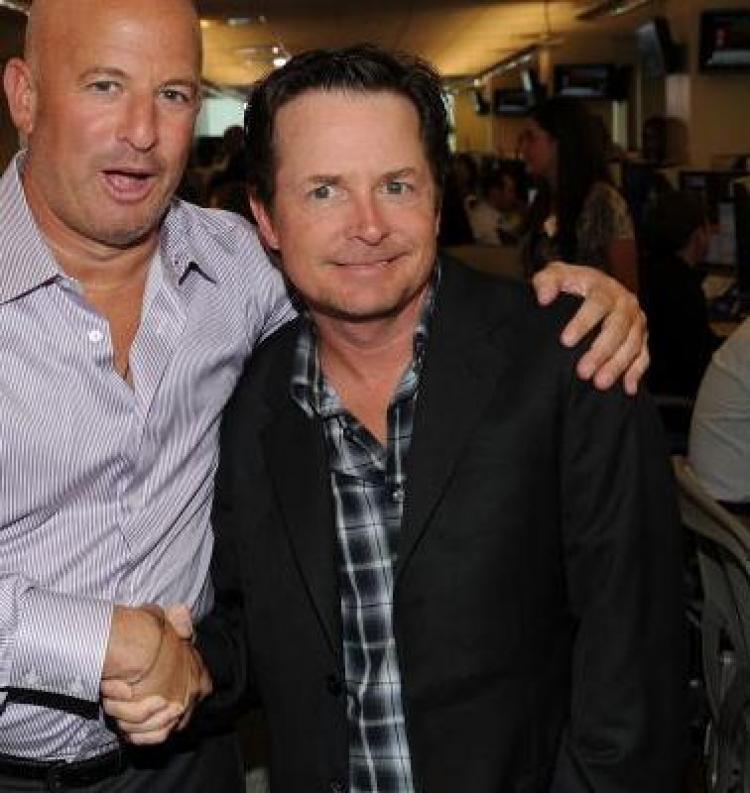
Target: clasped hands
[153, 677]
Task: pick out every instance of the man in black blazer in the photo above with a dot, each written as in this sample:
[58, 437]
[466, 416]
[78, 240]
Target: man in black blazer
[442, 562]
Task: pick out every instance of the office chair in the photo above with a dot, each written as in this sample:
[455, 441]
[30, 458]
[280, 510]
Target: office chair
[723, 550]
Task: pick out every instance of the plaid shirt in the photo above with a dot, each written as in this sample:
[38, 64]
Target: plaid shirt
[368, 485]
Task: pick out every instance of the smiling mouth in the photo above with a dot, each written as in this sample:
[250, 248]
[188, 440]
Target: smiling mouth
[381, 262]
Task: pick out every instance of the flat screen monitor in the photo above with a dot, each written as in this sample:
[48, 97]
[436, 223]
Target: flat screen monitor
[725, 40]
[584, 81]
[511, 102]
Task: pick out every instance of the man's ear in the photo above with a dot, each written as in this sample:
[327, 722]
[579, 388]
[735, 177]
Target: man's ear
[262, 216]
[20, 92]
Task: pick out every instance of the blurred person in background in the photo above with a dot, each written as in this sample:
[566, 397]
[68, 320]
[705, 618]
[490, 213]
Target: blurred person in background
[577, 214]
[676, 238]
[497, 217]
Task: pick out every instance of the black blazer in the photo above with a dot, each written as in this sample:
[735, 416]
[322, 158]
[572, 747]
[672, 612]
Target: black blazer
[537, 590]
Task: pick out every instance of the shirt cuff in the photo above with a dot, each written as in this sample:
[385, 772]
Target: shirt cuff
[61, 643]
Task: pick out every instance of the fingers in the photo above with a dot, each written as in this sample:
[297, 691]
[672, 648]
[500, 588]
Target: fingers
[591, 312]
[155, 729]
[619, 343]
[142, 712]
[548, 283]
[637, 370]
[181, 620]
[162, 698]
[620, 348]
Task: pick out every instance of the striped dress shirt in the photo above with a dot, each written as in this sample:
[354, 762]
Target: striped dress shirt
[368, 484]
[105, 491]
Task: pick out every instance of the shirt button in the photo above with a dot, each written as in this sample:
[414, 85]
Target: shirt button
[337, 787]
[397, 494]
[31, 678]
[95, 336]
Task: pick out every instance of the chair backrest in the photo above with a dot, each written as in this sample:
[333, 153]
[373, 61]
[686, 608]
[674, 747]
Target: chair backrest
[723, 549]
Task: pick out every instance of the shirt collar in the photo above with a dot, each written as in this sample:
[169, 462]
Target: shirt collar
[26, 261]
[176, 234]
[308, 386]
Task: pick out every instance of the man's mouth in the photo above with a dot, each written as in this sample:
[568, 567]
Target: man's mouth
[128, 184]
[373, 261]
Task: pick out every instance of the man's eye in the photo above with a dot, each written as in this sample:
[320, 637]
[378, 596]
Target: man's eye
[104, 86]
[176, 95]
[322, 192]
[397, 187]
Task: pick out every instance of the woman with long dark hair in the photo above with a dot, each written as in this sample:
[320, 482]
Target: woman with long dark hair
[577, 215]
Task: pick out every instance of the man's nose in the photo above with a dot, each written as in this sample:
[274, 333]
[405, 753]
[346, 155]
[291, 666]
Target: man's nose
[369, 222]
[138, 126]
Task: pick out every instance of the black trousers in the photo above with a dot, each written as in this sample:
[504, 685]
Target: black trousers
[213, 765]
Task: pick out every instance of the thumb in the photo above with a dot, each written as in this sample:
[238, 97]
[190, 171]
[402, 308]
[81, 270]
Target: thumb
[181, 620]
[116, 689]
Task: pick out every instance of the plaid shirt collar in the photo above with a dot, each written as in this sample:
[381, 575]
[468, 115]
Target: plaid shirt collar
[308, 386]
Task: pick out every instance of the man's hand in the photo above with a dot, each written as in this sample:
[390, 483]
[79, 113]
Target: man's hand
[152, 690]
[621, 346]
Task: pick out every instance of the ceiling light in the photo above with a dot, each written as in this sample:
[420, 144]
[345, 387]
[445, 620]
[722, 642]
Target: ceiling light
[236, 22]
[279, 61]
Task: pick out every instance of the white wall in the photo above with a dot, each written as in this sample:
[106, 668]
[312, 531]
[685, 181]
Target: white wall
[218, 113]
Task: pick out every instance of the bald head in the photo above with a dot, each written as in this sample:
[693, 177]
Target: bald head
[106, 98]
[51, 21]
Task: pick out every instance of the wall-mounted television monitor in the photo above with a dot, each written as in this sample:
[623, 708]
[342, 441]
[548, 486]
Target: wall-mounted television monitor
[659, 53]
[725, 40]
[592, 80]
[511, 102]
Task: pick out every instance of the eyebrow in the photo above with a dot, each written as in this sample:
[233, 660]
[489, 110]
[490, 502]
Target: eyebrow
[103, 71]
[333, 179]
[400, 173]
[113, 71]
[323, 178]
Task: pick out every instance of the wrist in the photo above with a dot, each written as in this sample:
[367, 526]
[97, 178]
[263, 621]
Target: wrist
[134, 641]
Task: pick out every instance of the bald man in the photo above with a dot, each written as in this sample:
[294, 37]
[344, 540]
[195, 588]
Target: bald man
[125, 320]
[126, 317]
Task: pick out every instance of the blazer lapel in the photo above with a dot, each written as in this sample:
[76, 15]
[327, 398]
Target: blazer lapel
[296, 456]
[468, 353]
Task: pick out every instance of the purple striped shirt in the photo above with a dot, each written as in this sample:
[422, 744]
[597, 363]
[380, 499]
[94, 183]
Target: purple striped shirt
[105, 492]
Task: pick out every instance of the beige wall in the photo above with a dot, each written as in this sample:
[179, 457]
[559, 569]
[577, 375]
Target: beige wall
[499, 135]
[472, 132]
[716, 107]
[11, 43]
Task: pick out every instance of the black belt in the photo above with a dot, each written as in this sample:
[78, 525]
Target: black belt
[58, 772]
